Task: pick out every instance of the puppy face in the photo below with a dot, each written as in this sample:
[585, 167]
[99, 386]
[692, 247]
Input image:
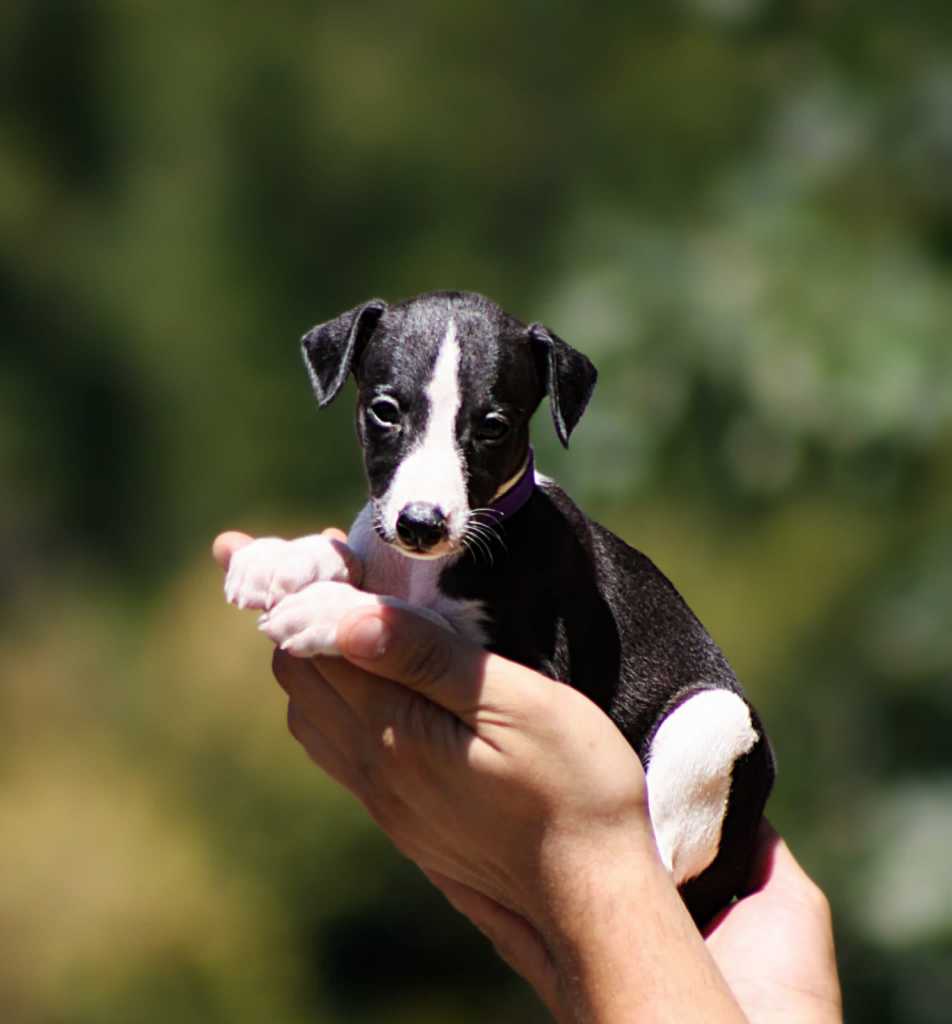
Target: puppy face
[447, 387]
[447, 384]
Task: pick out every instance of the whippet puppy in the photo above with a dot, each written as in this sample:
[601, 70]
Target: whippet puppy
[461, 528]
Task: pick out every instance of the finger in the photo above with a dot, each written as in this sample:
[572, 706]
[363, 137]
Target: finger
[370, 699]
[777, 872]
[766, 844]
[319, 748]
[226, 544]
[302, 681]
[333, 738]
[449, 671]
[363, 714]
[399, 720]
[773, 863]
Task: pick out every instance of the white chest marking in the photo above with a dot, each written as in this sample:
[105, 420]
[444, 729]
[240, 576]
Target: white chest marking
[433, 471]
[689, 777]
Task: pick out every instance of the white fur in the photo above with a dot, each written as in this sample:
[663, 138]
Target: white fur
[433, 471]
[306, 623]
[304, 583]
[416, 581]
[689, 776]
[263, 572]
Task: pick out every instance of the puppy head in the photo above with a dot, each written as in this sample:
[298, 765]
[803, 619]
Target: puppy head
[447, 383]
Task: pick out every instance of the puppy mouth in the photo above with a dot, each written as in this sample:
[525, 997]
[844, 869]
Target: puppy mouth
[422, 551]
[425, 554]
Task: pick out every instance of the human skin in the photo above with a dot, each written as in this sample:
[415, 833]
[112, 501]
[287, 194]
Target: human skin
[525, 806]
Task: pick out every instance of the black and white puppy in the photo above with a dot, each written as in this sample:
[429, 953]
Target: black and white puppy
[461, 527]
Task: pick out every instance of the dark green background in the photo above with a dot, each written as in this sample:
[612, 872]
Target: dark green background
[740, 209]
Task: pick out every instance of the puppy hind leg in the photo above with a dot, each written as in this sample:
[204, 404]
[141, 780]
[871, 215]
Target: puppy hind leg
[690, 765]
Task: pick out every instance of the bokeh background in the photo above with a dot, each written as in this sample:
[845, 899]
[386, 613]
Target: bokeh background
[741, 209]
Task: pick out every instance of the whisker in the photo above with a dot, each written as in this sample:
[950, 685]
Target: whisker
[479, 549]
[482, 533]
[476, 543]
[488, 528]
[471, 541]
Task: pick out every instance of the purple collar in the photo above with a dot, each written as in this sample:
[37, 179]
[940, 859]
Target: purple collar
[509, 502]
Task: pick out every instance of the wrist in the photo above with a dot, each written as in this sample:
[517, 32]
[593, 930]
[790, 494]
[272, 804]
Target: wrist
[623, 945]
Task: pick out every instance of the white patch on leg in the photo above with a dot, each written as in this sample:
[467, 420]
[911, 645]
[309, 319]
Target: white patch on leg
[433, 471]
[689, 777]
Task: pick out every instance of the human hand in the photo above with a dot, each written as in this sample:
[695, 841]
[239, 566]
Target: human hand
[441, 763]
[775, 946]
[523, 804]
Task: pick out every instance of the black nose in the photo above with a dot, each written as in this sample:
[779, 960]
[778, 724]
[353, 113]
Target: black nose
[421, 525]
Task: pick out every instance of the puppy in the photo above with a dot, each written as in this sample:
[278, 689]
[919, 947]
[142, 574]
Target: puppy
[461, 528]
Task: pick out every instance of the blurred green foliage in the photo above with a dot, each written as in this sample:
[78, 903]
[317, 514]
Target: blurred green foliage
[741, 209]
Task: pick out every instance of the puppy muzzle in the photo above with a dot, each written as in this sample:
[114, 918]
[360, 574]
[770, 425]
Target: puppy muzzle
[422, 528]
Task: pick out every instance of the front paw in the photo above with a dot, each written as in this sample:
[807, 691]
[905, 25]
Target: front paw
[305, 623]
[269, 569]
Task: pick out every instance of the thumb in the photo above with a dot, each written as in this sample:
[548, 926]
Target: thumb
[226, 544]
[403, 646]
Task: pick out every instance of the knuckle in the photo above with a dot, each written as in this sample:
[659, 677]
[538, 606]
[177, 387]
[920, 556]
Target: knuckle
[421, 728]
[398, 745]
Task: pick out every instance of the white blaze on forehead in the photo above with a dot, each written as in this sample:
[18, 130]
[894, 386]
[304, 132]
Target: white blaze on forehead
[432, 471]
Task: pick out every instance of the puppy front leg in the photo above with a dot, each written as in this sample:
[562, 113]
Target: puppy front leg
[305, 623]
[268, 569]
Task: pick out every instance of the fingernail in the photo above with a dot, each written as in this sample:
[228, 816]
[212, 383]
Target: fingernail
[368, 638]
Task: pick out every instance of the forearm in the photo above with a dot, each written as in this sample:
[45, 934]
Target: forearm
[626, 950]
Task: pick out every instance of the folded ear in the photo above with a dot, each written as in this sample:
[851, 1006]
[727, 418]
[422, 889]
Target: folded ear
[569, 379]
[330, 349]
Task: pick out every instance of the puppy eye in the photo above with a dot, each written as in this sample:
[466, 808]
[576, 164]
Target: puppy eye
[384, 412]
[492, 427]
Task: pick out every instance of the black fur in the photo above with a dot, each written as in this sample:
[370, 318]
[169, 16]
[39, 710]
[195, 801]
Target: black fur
[555, 603]
[330, 349]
